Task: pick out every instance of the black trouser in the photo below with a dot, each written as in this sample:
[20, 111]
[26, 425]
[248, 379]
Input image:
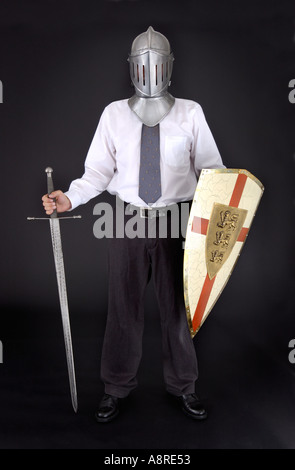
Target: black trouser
[131, 264]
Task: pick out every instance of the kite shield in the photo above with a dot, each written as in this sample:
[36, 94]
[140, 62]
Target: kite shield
[222, 212]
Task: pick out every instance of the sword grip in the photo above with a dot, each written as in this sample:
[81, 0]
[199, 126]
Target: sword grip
[50, 188]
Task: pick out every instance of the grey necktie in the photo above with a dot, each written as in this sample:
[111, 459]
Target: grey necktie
[149, 172]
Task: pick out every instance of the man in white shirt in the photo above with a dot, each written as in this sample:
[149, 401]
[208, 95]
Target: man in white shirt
[148, 151]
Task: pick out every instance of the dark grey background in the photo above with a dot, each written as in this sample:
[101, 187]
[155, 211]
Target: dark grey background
[61, 63]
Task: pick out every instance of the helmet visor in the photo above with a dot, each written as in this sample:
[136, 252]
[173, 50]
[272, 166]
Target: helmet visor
[151, 72]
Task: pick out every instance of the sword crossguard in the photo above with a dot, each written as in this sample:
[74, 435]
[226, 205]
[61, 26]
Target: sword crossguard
[59, 218]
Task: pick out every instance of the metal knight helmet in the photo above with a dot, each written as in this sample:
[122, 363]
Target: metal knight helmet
[151, 63]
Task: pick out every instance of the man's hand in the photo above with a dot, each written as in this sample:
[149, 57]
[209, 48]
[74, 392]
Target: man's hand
[61, 204]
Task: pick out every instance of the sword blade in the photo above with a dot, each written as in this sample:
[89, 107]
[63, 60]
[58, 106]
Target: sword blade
[62, 290]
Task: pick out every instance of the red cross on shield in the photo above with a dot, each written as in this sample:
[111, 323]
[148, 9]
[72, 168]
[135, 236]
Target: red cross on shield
[222, 212]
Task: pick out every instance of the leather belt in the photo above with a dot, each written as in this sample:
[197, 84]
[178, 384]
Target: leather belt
[151, 212]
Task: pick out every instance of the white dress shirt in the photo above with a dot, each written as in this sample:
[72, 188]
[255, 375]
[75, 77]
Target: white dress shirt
[112, 163]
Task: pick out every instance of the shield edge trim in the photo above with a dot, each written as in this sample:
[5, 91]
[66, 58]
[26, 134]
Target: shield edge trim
[185, 275]
[234, 171]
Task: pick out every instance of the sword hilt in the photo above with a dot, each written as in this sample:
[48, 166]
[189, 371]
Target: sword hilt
[50, 188]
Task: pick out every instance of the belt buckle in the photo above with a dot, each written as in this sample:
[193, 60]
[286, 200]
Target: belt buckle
[144, 214]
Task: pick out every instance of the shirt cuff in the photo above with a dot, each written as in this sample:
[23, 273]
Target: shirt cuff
[74, 199]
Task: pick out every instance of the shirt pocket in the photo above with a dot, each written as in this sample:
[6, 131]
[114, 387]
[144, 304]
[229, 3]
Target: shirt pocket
[176, 153]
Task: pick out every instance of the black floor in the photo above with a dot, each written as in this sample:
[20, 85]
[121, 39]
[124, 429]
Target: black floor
[248, 389]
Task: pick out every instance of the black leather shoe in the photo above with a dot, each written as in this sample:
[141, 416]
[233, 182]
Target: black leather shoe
[192, 407]
[108, 409]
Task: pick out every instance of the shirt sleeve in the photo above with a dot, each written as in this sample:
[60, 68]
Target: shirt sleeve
[204, 152]
[100, 165]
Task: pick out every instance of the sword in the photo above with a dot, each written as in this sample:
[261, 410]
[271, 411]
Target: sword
[62, 289]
